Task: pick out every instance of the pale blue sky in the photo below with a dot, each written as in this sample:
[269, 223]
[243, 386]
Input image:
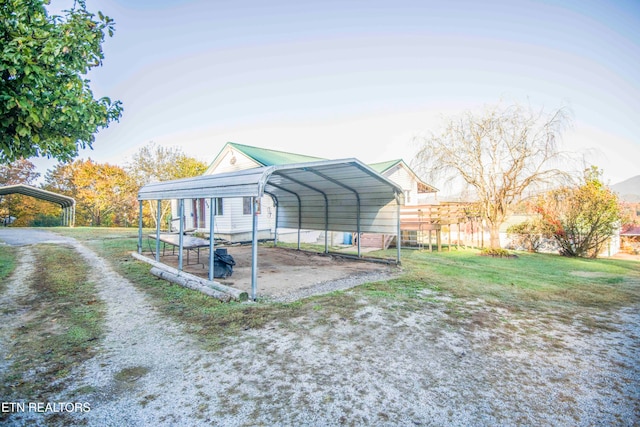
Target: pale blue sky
[361, 78]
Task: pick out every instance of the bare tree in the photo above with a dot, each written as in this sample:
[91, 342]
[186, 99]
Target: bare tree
[499, 154]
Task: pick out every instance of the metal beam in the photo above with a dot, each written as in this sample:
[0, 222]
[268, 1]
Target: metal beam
[346, 187]
[326, 207]
[212, 208]
[399, 232]
[181, 236]
[254, 248]
[140, 227]
[299, 207]
[158, 213]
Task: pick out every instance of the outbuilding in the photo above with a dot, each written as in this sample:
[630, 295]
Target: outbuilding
[329, 195]
[67, 204]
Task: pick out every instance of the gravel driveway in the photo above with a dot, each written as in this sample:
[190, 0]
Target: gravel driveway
[386, 365]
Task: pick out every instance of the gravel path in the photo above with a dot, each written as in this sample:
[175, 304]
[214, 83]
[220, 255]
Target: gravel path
[384, 366]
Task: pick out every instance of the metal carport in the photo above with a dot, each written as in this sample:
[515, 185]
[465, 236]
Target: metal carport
[68, 204]
[330, 195]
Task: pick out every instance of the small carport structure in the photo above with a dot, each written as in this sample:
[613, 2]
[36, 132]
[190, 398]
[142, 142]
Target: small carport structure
[329, 195]
[68, 204]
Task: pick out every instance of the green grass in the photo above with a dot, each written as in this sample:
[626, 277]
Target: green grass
[207, 318]
[62, 324]
[530, 282]
[7, 263]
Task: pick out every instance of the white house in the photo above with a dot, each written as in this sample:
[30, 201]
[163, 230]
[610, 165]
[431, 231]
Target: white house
[233, 220]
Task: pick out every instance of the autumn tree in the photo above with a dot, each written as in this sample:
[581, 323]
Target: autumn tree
[23, 208]
[582, 218]
[155, 163]
[47, 108]
[499, 154]
[20, 171]
[105, 194]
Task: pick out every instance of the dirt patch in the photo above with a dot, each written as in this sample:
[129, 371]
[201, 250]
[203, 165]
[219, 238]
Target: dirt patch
[590, 274]
[286, 274]
[626, 256]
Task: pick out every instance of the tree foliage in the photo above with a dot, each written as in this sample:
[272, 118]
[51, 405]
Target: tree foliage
[18, 172]
[500, 154]
[19, 206]
[105, 194]
[581, 219]
[530, 234]
[155, 163]
[47, 108]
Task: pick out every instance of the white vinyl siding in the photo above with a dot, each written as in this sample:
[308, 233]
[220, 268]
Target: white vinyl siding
[233, 219]
[233, 161]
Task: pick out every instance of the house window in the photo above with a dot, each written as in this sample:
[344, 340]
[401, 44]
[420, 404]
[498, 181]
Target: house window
[219, 206]
[246, 206]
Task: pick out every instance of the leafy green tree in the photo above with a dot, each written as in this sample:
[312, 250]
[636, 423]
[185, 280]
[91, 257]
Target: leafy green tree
[47, 108]
[581, 219]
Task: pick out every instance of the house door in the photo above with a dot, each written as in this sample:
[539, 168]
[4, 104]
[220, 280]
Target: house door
[198, 208]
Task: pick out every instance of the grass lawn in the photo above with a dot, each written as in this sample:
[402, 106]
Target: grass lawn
[566, 287]
[7, 263]
[530, 281]
[60, 322]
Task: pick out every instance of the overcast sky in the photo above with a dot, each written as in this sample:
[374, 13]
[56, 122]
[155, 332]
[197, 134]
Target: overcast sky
[360, 79]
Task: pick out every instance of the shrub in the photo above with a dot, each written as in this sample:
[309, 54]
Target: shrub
[528, 235]
[497, 253]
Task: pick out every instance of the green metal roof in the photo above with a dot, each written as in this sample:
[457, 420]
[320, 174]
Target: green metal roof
[384, 166]
[267, 157]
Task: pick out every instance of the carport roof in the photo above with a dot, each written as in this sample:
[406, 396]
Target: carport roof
[338, 195]
[329, 176]
[27, 190]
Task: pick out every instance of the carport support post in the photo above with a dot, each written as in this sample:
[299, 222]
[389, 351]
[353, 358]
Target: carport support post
[212, 207]
[181, 236]
[326, 224]
[254, 248]
[158, 213]
[398, 231]
[140, 227]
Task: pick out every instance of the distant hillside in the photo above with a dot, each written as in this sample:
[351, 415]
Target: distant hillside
[628, 190]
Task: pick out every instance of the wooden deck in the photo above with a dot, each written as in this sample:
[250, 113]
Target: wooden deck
[422, 225]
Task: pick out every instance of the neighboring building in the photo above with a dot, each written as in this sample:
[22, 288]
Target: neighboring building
[233, 215]
[416, 191]
[630, 236]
